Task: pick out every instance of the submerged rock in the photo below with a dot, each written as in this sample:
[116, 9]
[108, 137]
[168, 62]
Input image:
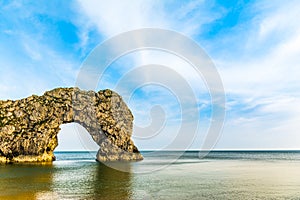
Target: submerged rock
[29, 127]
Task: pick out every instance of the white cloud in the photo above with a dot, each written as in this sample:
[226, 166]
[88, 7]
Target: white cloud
[280, 21]
[261, 79]
[115, 16]
[260, 66]
[275, 70]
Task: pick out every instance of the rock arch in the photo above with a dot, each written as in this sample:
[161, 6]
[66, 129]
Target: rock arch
[29, 127]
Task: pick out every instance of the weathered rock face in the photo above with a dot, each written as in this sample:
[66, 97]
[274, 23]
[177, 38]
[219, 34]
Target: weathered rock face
[29, 127]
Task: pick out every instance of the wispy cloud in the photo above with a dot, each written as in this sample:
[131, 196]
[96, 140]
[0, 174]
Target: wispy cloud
[261, 78]
[32, 57]
[115, 17]
[255, 52]
[255, 46]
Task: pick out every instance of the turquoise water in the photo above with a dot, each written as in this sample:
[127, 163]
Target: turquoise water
[220, 175]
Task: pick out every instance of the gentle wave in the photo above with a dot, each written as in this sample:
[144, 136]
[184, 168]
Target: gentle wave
[161, 156]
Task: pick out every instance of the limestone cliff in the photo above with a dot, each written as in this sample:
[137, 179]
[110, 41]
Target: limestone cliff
[29, 127]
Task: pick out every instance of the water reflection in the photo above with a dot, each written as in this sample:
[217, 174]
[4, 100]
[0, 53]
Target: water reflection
[64, 180]
[111, 183]
[24, 181]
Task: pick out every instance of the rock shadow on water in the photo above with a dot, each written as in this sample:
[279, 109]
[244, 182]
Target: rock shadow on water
[25, 181]
[67, 180]
[111, 183]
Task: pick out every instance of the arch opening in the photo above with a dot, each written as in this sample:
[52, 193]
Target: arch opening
[73, 137]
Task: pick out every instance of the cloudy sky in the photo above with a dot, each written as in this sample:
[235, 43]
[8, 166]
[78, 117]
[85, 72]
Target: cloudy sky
[255, 46]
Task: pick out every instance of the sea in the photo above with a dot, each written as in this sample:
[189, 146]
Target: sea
[161, 175]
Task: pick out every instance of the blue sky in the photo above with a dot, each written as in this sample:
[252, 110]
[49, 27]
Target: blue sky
[255, 46]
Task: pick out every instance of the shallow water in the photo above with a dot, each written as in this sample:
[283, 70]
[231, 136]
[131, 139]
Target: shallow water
[220, 175]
